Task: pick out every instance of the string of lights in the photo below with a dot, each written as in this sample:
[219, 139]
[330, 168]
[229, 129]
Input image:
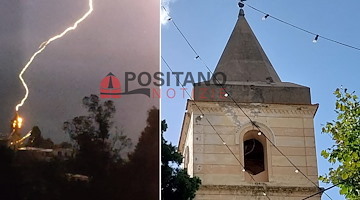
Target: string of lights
[323, 190]
[21, 139]
[316, 36]
[197, 56]
[260, 133]
[212, 126]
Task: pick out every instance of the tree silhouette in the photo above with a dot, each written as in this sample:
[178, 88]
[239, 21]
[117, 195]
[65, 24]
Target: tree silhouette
[36, 140]
[176, 184]
[144, 161]
[94, 156]
[109, 177]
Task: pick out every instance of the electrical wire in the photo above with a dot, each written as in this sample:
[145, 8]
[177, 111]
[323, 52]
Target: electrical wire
[212, 126]
[302, 29]
[231, 98]
[323, 190]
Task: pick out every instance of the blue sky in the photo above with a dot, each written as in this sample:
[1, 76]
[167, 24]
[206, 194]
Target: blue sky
[322, 66]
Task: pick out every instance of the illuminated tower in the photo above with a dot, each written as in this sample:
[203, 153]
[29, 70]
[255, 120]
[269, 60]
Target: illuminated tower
[252, 137]
[15, 135]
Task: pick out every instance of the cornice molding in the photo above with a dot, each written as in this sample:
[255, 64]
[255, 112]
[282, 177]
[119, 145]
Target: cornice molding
[258, 109]
[255, 190]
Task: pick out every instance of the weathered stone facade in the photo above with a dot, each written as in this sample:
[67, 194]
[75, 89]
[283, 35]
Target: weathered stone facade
[289, 127]
[223, 147]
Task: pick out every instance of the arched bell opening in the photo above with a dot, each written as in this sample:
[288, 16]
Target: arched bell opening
[255, 157]
[254, 160]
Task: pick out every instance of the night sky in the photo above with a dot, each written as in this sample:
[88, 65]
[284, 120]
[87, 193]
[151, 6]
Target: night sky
[118, 36]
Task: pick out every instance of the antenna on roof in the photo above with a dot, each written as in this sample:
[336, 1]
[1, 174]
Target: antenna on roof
[241, 5]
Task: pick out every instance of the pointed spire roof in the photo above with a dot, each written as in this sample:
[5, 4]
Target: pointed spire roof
[250, 77]
[243, 58]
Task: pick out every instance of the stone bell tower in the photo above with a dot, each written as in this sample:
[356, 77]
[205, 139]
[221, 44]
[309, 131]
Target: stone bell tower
[223, 147]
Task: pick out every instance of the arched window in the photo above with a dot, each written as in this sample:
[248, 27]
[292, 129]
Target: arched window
[254, 156]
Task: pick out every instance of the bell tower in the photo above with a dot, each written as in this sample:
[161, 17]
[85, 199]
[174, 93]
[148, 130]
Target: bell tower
[246, 134]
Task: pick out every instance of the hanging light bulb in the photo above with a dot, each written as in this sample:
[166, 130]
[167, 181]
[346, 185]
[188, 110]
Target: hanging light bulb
[265, 17]
[264, 193]
[259, 133]
[316, 39]
[19, 121]
[202, 116]
[241, 4]
[243, 170]
[296, 171]
[226, 95]
[224, 143]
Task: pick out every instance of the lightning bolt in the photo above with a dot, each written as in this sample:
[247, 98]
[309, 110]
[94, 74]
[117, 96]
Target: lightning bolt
[42, 48]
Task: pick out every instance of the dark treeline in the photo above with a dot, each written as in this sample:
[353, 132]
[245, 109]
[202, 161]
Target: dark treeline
[95, 171]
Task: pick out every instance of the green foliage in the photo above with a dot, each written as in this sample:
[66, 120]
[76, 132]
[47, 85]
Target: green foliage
[97, 124]
[345, 131]
[176, 184]
[120, 142]
[91, 133]
[143, 165]
[110, 178]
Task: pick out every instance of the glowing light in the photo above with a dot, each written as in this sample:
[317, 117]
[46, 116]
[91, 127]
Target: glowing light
[202, 116]
[243, 170]
[296, 171]
[224, 143]
[19, 122]
[316, 39]
[265, 17]
[259, 133]
[22, 139]
[43, 46]
[226, 95]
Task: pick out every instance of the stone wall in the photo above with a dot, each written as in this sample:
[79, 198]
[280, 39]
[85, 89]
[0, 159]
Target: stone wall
[289, 127]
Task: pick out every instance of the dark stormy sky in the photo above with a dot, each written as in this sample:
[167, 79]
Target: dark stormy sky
[119, 36]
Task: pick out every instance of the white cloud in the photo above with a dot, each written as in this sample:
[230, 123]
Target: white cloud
[165, 11]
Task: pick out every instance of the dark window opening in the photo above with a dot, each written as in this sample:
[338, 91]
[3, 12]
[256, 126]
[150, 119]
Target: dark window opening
[254, 156]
